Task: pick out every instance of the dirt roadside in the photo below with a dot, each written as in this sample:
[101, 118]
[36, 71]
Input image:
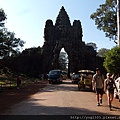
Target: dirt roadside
[13, 96]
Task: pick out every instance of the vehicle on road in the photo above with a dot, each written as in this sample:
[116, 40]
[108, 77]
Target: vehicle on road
[75, 78]
[85, 79]
[117, 93]
[55, 76]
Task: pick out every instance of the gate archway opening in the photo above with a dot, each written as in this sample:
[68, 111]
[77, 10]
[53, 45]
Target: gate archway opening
[63, 60]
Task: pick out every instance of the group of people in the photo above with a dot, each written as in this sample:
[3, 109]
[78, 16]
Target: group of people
[104, 85]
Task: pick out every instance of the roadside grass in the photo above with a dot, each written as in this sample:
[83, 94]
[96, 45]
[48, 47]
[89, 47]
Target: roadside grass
[8, 80]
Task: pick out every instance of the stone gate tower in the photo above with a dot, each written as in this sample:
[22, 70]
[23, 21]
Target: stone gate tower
[67, 36]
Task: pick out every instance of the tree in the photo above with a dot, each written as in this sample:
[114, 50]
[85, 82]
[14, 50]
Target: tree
[63, 61]
[112, 61]
[106, 19]
[9, 44]
[102, 52]
[2, 17]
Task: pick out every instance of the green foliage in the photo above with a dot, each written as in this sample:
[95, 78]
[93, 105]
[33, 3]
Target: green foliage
[9, 44]
[102, 52]
[112, 60]
[106, 19]
[63, 60]
[2, 17]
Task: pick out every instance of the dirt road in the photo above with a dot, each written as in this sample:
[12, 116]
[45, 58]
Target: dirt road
[62, 99]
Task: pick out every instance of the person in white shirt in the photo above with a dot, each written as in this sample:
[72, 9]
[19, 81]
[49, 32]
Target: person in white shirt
[98, 80]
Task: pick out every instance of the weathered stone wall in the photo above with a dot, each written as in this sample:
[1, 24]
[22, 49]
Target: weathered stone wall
[67, 36]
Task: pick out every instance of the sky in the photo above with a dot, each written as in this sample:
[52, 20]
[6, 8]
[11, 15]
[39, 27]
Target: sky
[26, 18]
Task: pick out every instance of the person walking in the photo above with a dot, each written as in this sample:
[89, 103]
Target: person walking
[18, 82]
[98, 82]
[109, 86]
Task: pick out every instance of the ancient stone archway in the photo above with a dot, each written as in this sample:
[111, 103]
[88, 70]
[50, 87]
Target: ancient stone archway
[67, 36]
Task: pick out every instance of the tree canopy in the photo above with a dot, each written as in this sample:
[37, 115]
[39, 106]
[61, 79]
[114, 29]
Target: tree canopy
[102, 52]
[2, 17]
[105, 18]
[63, 60]
[9, 44]
[112, 61]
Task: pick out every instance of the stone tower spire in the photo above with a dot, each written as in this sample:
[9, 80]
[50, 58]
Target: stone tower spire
[62, 18]
[67, 36]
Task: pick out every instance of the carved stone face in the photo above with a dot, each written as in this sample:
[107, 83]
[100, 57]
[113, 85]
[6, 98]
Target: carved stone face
[49, 23]
[61, 27]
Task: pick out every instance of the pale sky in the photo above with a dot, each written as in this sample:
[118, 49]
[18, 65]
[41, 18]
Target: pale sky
[26, 18]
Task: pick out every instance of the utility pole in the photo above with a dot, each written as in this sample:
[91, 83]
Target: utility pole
[118, 22]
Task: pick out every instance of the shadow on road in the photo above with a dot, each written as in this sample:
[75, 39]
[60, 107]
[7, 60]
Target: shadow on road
[38, 105]
[65, 86]
[117, 108]
[53, 110]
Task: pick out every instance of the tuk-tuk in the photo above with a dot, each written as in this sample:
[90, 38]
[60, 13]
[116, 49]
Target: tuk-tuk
[85, 79]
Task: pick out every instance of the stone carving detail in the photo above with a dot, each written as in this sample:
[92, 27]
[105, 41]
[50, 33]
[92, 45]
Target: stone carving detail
[67, 36]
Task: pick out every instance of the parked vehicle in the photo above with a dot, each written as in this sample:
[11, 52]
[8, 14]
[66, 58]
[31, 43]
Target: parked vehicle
[75, 78]
[117, 93]
[85, 79]
[55, 76]
[64, 75]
